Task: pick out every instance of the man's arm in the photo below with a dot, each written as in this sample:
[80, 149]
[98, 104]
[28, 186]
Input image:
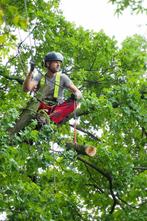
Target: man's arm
[29, 83]
[75, 91]
[69, 84]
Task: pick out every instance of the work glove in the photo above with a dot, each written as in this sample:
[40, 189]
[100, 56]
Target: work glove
[36, 73]
[78, 95]
[32, 66]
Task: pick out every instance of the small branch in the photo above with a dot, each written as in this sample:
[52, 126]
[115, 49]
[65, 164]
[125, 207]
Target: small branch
[19, 45]
[97, 188]
[20, 81]
[86, 132]
[140, 168]
[144, 132]
[94, 60]
[125, 202]
[77, 68]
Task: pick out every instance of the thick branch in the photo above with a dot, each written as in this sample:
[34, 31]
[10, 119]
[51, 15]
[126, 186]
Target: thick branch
[115, 201]
[107, 176]
[95, 182]
[81, 149]
[123, 201]
[29, 113]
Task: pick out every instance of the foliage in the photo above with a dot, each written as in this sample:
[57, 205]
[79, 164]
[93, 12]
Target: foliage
[137, 6]
[40, 179]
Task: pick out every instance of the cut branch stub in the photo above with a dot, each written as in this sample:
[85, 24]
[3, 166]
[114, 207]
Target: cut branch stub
[82, 149]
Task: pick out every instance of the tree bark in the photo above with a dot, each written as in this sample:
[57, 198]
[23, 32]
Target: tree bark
[82, 149]
[30, 111]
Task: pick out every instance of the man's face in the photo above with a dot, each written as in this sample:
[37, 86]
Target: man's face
[53, 66]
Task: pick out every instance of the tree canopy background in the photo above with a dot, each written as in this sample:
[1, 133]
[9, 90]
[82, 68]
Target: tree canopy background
[40, 179]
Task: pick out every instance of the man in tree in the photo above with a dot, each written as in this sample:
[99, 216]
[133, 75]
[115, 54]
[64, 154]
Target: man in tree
[54, 103]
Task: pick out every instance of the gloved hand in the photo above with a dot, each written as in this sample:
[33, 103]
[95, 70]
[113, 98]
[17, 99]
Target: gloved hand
[78, 95]
[32, 66]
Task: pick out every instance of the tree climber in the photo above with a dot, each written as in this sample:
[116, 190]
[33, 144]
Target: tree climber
[54, 103]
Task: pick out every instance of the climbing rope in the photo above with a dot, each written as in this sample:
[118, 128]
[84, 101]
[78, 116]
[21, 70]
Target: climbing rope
[32, 64]
[75, 123]
[54, 189]
[18, 49]
[26, 11]
[54, 176]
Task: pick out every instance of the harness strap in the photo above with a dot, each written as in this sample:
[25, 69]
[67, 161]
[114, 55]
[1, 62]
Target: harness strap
[42, 81]
[75, 132]
[57, 85]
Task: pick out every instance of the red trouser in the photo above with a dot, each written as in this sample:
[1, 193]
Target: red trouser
[59, 112]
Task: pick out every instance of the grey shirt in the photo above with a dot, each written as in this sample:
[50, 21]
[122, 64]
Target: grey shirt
[64, 83]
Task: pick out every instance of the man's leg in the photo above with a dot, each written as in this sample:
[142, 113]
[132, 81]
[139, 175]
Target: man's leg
[62, 111]
[43, 114]
[58, 113]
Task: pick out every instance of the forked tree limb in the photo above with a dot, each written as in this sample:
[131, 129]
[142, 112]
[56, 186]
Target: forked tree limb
[107, 176]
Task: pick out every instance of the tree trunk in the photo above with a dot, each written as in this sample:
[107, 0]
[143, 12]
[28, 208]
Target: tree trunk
[82, 149]
[30, 111]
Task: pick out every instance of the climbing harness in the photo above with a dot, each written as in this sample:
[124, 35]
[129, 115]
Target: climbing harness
[57, 84]
[54, 176]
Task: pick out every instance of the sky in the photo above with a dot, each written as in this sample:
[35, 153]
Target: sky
[99, 15]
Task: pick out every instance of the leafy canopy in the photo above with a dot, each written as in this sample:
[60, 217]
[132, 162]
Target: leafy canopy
[40, 179]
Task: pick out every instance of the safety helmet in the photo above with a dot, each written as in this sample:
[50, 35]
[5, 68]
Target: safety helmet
[53, 56]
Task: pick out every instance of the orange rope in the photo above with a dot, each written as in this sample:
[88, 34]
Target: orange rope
[75, 132]
[75, 124]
